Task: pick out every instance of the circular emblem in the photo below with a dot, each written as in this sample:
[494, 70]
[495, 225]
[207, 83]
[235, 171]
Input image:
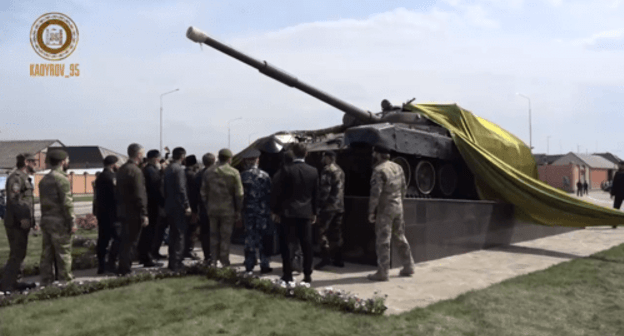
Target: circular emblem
[54, 36]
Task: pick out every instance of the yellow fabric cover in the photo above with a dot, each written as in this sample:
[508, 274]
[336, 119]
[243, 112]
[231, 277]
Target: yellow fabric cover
[505, 170]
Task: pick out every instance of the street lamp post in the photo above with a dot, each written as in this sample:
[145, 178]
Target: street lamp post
[530, 132]
[161, 117]
[548, 144]
[239, 118]
[249, 138]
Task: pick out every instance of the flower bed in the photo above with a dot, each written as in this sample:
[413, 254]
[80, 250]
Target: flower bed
[330, 298]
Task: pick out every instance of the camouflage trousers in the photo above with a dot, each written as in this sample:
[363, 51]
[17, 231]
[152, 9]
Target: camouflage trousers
[257, 231]
[56, 247]
[390, 226]
[220, 234]
[330, 230]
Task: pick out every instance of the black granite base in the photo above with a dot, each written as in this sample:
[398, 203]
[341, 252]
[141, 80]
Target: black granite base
[440, 228]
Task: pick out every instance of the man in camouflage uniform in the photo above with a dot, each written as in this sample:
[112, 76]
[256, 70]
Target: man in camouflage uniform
[222, 191]
[131, 206]
[58, 221]
[192, 167]
[331, 205]
[385, 209]
[256, 212]
[18, 220]
[199, 207]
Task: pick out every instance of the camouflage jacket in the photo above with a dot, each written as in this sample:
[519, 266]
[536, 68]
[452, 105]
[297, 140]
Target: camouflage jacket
[57, 204]
[387, 188]
[20, 202]
[331, 189]
[222, 190]
[257, 190]
[131, 193]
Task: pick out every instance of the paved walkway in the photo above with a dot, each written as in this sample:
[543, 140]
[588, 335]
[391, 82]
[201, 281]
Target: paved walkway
[449, 277]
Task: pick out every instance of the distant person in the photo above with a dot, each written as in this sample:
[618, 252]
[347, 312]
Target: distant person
[585, 188]
[191, 168]
[579, 188]
[256, 212]
[385, 209]
[294, 197]
[331, 211]
[58, 220]
[106, 214]
[155, 201]
[132, 206]
[199, 207]
[18, 220]
[177, 207]
[222, 191]
[617, 187]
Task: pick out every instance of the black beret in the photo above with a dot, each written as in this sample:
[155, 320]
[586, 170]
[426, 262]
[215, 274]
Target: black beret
[381, 149]
[57, 154]
[154, 153]
[111, 159]
[251, 154]
[190, 160]
[330, 154]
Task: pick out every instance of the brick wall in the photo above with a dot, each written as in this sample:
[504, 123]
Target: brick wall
[553, 176]
[597, 176]
[81, 184]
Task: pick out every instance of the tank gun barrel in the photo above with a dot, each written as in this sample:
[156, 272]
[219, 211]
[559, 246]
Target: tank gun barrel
[269, 70]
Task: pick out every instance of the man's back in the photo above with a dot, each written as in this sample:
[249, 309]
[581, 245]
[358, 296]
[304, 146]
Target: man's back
[257, 186]
[176, 197]
[131, 194]
[57, 206]
[223, 189]
[617, 188]
[105, 192]
[388, 185]
[294, 192]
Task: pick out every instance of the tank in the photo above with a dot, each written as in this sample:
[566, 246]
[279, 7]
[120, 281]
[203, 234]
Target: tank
[432, 164]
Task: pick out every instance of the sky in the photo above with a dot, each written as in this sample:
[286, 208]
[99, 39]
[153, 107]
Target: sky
[566, 56]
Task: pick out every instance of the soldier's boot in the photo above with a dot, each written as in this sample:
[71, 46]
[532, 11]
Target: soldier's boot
[407, 271]
[380, 275]
[338, 262]
[324, 261]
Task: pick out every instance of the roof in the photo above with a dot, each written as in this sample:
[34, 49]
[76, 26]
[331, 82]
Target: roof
[592, 161]
[85, 157]
[611, 157]
[10, 149]
[545, 159]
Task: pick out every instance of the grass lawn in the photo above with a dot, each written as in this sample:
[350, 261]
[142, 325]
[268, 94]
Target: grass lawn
[33, 253]
[581, 297]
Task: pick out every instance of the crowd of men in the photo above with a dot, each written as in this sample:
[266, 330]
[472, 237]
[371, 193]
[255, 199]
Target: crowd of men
[135, 203]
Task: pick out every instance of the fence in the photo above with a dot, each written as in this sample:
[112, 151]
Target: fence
[81, 184]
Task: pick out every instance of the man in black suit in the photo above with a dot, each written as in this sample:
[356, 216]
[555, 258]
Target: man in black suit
[155, 201]
[617, 188]
[106, 213]
[177, 207]
[192, 191]
[200, 213]
[293, 203]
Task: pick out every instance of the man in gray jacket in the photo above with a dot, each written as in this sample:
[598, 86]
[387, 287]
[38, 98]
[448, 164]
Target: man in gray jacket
[177, 207]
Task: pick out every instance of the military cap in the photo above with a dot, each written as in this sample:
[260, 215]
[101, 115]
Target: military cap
[190, 160]
[330, 154]
[154, 153]
[381, 149]
[111, 159]
[225, 153]
[251, 154]
[28, 156]
[57, 154]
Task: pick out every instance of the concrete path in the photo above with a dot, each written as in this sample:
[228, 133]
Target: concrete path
[449, 277]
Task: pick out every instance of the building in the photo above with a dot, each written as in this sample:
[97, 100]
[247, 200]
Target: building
[566, 170]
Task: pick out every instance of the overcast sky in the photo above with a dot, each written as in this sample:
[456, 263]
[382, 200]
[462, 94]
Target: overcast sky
[567, 56]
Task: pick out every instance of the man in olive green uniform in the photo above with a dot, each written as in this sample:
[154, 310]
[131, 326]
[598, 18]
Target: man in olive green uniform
[131, 206]
[58, 221]
[385, 209]
[18, 220]
[222, 192]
